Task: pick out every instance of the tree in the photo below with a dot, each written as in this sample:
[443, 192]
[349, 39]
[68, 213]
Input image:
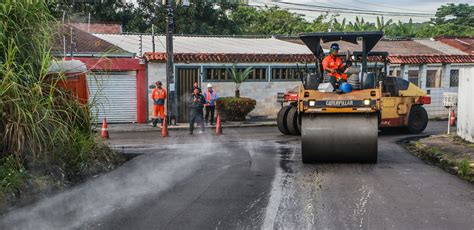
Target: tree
[462, 15]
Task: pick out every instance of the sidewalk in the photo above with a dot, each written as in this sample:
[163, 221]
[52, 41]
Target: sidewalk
[136, 127]
[449, 152]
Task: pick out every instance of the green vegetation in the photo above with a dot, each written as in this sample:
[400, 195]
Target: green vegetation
[43, 130]
[226, 19]
[235, 109]
[456, 165]
[238, 76]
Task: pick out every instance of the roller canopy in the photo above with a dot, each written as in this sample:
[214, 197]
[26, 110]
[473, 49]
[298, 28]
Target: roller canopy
[313, 40]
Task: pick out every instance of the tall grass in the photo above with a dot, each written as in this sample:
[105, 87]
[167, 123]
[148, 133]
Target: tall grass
[35, 115]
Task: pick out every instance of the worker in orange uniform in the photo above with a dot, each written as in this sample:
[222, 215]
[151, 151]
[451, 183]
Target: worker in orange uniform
[158, 95]
[334, 67]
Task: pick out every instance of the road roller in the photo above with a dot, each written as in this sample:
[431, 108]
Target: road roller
[343, 127]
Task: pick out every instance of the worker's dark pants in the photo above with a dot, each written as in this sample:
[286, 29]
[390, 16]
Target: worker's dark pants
[156, 121]
[196, 116]
[333, 81]
[210, 111]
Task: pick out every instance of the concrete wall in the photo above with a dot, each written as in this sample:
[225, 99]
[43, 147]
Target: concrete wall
[465, 126]
[436, 108]
[265, 93]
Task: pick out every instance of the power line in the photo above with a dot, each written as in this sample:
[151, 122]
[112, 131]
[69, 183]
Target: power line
[357, 10]
[316, 8]
[393, 7]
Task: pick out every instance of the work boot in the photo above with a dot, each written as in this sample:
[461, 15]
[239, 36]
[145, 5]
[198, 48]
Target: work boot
[155, 122]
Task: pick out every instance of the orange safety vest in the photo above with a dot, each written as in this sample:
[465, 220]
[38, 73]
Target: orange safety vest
[208, 98]
[158, 94]
[331, 64]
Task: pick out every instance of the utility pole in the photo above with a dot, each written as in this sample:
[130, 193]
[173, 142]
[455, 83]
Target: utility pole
[71, 42]
[153, 37]
[171, 103]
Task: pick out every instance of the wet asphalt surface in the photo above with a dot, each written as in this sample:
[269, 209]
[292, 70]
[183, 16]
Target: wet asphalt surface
[253, 178]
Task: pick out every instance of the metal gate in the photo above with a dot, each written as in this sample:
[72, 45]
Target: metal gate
[113, 96]
[186, 78]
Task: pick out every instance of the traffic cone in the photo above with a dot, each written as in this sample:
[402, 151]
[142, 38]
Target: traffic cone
[218, 125]
[164, 130]
[105, 131]
[453, 118]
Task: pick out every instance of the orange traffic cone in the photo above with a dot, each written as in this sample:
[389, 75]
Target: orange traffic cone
[164, 130]
[105, 131]
[453, 118]
[218, 125]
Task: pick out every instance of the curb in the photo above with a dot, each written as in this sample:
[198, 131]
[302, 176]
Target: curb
[148, 128]
[431, 157]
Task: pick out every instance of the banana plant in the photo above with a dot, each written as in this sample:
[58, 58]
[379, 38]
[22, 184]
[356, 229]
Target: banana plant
[381, 24]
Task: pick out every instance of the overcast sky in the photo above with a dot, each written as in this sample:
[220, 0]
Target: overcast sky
[419, 10]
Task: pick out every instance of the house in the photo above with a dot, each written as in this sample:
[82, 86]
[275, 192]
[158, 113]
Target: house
[205, 59]
[465, 44]
[430, 64]
[116, 80]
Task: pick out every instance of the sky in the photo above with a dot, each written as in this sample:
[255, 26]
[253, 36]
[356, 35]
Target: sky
[418, 10]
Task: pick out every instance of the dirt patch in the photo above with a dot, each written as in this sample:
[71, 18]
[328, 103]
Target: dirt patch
[448, 152]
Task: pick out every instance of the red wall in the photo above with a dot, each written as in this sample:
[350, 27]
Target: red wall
[123, 64]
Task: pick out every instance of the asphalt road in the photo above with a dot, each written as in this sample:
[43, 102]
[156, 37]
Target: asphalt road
[253, 178]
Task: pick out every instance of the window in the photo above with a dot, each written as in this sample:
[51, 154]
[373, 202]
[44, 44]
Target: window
[289, 73]
[395, 72]
[433, 78]
[454, 78]
[223, 74]
[413, 76]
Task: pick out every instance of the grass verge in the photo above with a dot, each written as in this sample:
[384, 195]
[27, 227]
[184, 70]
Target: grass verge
[433, 155]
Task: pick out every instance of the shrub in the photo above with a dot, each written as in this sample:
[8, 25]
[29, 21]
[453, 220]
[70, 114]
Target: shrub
[235, 109]
[13, 176]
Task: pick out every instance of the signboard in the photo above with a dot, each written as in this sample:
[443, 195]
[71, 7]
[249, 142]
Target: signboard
[450, 99]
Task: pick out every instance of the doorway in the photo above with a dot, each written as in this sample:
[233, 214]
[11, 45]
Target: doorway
[186, 78]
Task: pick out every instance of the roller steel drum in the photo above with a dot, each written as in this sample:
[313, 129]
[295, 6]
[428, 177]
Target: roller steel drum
[339, 138]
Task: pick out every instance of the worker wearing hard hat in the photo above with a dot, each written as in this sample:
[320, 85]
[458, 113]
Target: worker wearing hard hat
[211, 98]
[158, 95]
[334, 67]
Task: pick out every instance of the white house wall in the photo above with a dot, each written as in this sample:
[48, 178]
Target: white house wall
[465, 125]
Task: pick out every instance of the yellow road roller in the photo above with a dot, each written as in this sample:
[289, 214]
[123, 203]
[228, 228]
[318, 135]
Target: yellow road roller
[343, 127]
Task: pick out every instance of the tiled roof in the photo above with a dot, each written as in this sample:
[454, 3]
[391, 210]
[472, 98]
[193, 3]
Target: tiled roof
[248, 58]
[230, 57]
[420, 59]
[85, 42]
[394, 46]
[465, 44]
[109, 28]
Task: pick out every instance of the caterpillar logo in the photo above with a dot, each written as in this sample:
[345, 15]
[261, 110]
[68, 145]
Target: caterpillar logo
[342, 103]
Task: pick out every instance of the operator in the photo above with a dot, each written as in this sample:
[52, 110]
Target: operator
[334, 66]
[158, 95]
[211, 98]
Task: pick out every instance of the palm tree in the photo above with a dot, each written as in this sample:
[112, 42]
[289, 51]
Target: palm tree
[239, 76]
